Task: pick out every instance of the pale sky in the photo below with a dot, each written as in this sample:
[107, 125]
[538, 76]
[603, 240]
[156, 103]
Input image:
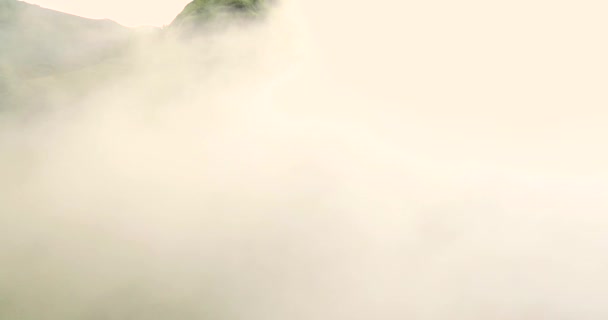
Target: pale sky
[519, 81]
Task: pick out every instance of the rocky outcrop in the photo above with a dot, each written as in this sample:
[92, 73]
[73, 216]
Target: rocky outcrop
[199, 13]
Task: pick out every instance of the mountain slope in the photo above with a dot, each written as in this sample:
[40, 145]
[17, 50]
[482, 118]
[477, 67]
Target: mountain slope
[38, 41]
[43, 52]
[200, 12]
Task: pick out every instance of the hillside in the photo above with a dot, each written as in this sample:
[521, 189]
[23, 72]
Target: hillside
[200, 12]
[43, 51]
[38, 41]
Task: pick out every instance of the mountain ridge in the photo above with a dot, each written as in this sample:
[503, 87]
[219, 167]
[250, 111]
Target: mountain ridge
[38, 43]
[199, 12]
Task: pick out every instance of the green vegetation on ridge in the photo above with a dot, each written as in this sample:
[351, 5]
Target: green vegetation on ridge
[199, 12]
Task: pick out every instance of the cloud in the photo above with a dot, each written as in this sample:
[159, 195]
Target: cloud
[239, 175]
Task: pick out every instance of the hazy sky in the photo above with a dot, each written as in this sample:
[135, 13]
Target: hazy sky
[517, 81]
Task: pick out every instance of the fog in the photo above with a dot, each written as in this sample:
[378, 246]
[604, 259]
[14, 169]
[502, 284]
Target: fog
[338, 160]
